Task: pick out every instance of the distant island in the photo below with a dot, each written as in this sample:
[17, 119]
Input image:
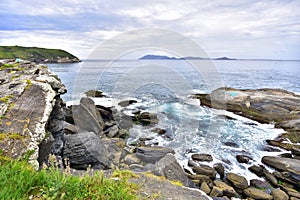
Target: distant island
[161, 57]
[38, 55]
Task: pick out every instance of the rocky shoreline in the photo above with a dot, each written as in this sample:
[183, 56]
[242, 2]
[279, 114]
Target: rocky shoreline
[36, 122]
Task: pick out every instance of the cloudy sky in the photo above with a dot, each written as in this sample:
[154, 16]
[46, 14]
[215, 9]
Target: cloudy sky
[248, 29]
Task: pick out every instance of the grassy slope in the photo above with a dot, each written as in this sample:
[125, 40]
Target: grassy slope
[18, 180]
[32, 53]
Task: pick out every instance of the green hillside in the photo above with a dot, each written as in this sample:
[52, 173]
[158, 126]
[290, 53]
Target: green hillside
[35, 54]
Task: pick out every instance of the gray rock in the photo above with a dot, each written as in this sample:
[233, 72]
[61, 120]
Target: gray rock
[205, 170]
[131, 159]
[202, 157]
[152, 154]
[169, 167]
[283, 164]
[126, 103]
[263, 185]
[87, 117]
[237, 181]
[86, 149]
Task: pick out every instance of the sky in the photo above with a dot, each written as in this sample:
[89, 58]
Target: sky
[268, 29]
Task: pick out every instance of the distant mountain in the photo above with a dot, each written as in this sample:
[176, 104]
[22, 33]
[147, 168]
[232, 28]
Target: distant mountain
[224, 58]
[161, 57]
[157, 57]
[35, 54]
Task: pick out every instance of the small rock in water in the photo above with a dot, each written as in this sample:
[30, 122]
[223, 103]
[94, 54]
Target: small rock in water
[159, 131]
[258, 170]
[243, 158]
[126, 103]
[202, 157]
[231, 144]
[220, 169]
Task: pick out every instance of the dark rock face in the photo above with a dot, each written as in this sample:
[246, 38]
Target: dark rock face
[87, 117]
[152, 154]
[243, 158]
[283, 164]
[202, 157]
[86, 149]
[126, 103]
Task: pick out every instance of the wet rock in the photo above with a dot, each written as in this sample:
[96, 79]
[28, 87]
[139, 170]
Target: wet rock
[283, 145]
[257, 194]
[152, 154]
[87, 117]
[259, 184]
[279, 195]
[126, 103]
[159, 131]
[271, 178]
[205, 188]
[205, 170]
[283, 164]
[84, 150]
[243, 158]
[146, 118]
[226, 189]
[94, 93]
[258, 170]
[220, 169]
[238, 181]
[202, 157]
[231, 144]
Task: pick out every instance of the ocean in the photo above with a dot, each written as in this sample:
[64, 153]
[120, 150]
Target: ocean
[165, 87]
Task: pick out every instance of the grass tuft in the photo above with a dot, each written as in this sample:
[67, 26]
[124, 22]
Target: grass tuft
[18, 180]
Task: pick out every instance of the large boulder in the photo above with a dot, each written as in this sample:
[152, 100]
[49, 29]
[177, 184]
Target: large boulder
[85, 150]
[87, 117]
[283, 164]
[169, 167]
[152, 154]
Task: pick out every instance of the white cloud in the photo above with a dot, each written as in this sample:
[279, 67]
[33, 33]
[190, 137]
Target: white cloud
[223, 28]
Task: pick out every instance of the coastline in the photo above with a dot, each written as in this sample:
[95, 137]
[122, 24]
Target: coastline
[104, 128]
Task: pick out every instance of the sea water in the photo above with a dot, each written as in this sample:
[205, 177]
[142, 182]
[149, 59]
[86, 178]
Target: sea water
[164, 87]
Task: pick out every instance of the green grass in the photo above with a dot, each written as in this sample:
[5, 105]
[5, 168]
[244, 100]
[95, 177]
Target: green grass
[6, 99]
[32, 53]
[18, 180]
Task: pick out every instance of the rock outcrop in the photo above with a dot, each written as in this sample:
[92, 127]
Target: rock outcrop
[28, 93]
